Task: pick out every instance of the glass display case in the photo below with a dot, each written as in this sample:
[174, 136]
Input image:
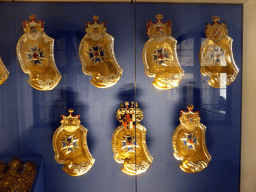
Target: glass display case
[29, 117]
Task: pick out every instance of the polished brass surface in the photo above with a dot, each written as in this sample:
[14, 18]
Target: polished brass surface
[35, 54]
[97, 55]
[70, 146]
[189, 142]
[129, 141]
[216, 55]
[160, 56]
[4, 73]
[16, 176]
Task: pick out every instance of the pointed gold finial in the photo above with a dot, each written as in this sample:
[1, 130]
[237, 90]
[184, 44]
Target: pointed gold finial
[95, 17]
[190, 107]
[70, 111]
[216, 18]
[31, 17]
[159, 16]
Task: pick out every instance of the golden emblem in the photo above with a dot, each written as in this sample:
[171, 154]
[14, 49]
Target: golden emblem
[97, 55]
[17, 176]
[189, 142]
[160, 56]
[35, 54]
[4, 73]
[216, 55]
[70, 146]
[129, 140]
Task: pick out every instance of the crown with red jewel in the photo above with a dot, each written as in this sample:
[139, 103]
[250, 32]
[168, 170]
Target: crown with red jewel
[70, 122]
[216, 31]
[29, 26]
[189, 116]
[128, 114]
[159, 28]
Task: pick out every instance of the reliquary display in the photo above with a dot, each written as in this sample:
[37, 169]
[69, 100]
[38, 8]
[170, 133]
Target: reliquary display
[160, 55]
[4, 73]
[70, 146]
[189, 142]
[97, 55]
[35, 54]
[129, 140]
[216, 55]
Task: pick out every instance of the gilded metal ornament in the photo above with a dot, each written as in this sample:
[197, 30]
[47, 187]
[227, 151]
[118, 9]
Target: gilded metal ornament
[216, 55]
[35, 54]
[4, 73]
[97, 55]
[160, 55]
[70, 146]
[189, 142]
[129, 140]
[17, 176]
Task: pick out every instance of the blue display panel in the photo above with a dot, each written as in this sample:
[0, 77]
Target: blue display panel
[28, 118]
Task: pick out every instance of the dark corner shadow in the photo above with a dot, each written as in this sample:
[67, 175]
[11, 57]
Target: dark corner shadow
[68, 100]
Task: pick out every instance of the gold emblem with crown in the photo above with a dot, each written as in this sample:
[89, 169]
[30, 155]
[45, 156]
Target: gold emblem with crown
[70, 146]
[216, 55]
[189, 142]
[129, 140]
[35, 55]
[160, 57]
[96, 52]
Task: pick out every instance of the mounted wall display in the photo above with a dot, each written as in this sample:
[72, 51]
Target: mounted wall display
[35, 54]
[129, 140]
[189, 142]
[4, 73]
[97, 55]
[216, 55]
[17, 176]
[160, 55]
[70, 146]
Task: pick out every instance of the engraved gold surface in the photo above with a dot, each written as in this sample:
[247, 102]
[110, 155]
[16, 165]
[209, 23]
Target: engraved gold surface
[4, 73]
[35, 54]
[70, 146]
[189, 142]
[129, 141]
[17, 176]
[160, 55]
[216, 55]
[97, 55]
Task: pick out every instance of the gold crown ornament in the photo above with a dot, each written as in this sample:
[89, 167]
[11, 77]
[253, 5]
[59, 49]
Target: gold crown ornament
[17, 176]
[4, 73]
[189, 142]
[97, 55]
[216, 55]
[160, 56]
[129, 140]
[35, 54]
[70, 146]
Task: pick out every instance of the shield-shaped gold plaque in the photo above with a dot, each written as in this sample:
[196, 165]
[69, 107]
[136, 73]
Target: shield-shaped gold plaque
[129, 141]
[160, 55]
[70, 146]
[4, 73]
[35, 54]
[216, 55]
[189, 142]
[97, 55]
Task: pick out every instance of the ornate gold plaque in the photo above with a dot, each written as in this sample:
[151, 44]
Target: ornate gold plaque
[129, 141]
[97, 55]
[4, 73]
[160, 56]
[35, 54]
[216, 55]
[17, 176]
[70, 146]
[189, 142]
